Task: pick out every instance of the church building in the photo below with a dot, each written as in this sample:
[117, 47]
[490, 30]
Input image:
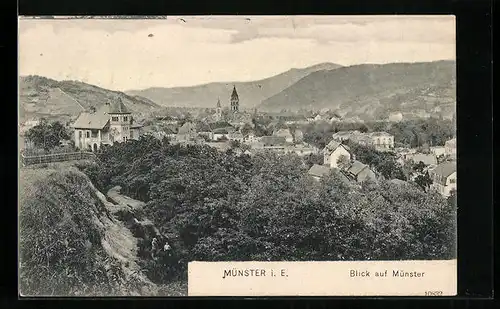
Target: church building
[235, 101]
[111, 123]
[218, 111]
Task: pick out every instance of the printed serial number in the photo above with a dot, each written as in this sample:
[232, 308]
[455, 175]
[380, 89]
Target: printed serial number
[433, 293]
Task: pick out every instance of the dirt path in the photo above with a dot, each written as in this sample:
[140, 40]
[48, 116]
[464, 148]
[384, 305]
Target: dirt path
[120, 244]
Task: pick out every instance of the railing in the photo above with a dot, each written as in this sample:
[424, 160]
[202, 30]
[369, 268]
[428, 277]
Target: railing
[56, 157]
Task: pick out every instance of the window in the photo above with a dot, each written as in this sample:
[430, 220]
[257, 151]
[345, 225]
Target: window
[80, 134]
[132, 134]
[452, 180]
[114, 118]
[88, 134]
[125, 118]
[94, 133]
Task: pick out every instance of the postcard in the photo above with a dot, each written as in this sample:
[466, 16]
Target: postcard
[237, 156]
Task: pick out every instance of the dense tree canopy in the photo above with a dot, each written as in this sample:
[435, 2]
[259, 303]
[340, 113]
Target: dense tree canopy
[223, 206]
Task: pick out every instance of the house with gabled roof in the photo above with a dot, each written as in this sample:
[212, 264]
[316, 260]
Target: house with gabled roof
[360, 172]
[444, 177]
[335, 151]
[318, 171]
[112, 122]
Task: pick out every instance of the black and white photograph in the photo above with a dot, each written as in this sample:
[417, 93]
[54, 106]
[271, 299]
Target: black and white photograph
[147, 144]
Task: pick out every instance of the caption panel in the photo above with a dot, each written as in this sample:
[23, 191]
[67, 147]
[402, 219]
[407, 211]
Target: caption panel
[364, 278]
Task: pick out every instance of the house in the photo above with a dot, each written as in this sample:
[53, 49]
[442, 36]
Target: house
[427, 159]
[186, 132]
[298, 136]
[270, 141]
[335, 151]
[438, 151]
[450, 148]
[220, 133]
[301, 149]
[360, 172]
[285, 133]
[110, 123]
[250, 138]
[444, 178]
[235, 136]
[318, 171]
[382, 140]
[342, 136]
[395, 116]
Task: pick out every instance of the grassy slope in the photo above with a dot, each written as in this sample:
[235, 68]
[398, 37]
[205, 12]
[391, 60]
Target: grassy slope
[41, 97]
[58, 197]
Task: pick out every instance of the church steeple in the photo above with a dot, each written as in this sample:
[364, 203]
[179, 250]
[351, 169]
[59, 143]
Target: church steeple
[235, 101]
[218, 110]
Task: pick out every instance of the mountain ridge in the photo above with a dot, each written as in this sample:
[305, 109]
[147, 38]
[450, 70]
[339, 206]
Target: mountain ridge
[206, 95]
[370, 89]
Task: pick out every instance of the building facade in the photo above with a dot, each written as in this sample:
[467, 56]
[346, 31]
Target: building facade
[444, 178]
[111, 123]
[333, 152]
[450, 148]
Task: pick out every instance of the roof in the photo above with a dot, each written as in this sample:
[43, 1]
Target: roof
[96, 120]
[118, 107]
[220, 131]
[234, 95]
[344, 133]
[187, 127]
[380, 134]
[273, 140]
[356, 168]
[332, 145]
[445, 169]
[318, 170]
[236, 134]
[427, 159]
[283, 132]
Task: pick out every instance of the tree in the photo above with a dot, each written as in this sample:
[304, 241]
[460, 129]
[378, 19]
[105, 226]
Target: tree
[343, 162]
[234, 144]
[47, 135]
[424, 181]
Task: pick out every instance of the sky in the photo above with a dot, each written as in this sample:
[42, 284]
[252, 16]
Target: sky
[176, 51]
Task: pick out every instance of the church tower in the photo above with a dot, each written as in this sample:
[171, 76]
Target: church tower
[120, 120]
[218, 111]
[235, 101]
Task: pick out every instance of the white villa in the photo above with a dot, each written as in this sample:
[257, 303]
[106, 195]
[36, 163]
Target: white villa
[110, 123]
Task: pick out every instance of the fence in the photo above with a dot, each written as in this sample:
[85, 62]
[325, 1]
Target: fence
[56, 157]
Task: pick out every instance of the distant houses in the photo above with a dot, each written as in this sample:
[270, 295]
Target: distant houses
[285, 133]
[427, 159]
[382, 141]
